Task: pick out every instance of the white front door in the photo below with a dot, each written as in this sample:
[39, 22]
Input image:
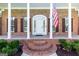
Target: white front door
[39, 25]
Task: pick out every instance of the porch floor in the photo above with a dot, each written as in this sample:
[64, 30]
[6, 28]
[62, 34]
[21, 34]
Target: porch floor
[3, 36]
[55, 36]
[18, 36]
[39, 36]
[75, 36]
[60, 36]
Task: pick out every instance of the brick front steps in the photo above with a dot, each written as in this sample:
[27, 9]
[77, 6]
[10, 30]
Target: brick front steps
[39, 48]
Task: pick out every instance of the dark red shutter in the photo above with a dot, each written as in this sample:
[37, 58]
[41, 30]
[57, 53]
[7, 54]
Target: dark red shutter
[48, 22]
[63, 25]
[30, 25]
[22, 25]
[15, 25]
[0, 25]
[57, 29]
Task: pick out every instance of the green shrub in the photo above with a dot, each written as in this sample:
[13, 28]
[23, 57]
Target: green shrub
[3, 43]
[62, 41]
[67, 45]
[70, 45]
[9, 48]
[14, 44]
[76, 41]
[76, 46]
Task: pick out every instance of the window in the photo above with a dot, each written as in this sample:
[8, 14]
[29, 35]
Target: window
[54, 30]
[66, 24]
[12, 24]
[25, 24]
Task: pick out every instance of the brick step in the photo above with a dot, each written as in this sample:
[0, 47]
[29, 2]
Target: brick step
[41, 52]
[39, 42]
[38, 47]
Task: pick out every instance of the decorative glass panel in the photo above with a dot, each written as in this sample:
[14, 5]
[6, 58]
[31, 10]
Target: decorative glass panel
[34, 25]
[43, 25]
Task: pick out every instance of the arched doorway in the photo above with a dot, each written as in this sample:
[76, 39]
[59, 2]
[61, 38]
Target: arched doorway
[39, 25]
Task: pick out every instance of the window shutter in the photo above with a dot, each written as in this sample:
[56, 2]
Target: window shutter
[72, 24]
[57, 29]
[22, 29]
[63, 25]
[30, 25]
[48, 23]
[15, 25]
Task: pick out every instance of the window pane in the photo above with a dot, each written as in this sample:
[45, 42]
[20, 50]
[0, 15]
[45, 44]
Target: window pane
[25, 24]
[66, 24]
[12, 24]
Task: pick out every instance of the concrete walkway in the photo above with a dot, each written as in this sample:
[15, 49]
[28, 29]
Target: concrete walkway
[24, 54]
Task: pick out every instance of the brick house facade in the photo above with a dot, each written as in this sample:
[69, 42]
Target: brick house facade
[20, 13]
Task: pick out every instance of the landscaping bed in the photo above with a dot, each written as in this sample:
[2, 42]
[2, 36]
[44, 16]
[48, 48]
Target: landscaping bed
[68, 48]
[62, 52]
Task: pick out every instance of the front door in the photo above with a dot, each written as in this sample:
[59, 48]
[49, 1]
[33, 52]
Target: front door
[39, 25]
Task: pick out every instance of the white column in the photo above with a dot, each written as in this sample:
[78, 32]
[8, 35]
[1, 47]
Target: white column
[51, 21]
[69, 16]
[9, 20]
[28, 22]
